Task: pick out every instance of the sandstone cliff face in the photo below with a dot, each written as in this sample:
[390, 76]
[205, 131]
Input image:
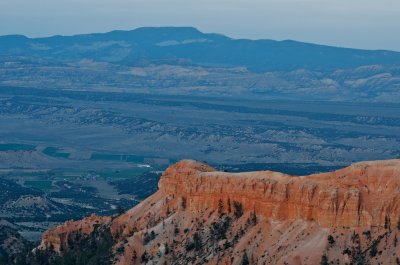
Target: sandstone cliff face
[355, 206]
[363, 194]
[59, 238]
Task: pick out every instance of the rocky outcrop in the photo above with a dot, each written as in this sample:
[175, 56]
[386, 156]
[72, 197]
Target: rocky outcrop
[203, 215]
[60, 237]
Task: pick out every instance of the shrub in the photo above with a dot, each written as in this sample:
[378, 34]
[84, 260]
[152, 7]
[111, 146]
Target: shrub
[148, 237]
[219, 229]
[331, 240]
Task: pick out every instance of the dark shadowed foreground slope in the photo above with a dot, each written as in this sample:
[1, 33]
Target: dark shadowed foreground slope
[12, 245]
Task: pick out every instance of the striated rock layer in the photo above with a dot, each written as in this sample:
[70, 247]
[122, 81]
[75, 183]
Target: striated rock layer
[364, 194]
[200, 215]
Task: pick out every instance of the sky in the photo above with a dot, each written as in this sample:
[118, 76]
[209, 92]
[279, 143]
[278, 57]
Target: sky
[367, 24]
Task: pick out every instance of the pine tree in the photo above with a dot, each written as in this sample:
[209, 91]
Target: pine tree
[373, 250]
[253, 218]
[176, 230]
[324, 260]
[197, 241]
[387, 222]
[145, 257]
[183, 204]
[166, 249]
[238, 209]
[245, 259]
[220, 207]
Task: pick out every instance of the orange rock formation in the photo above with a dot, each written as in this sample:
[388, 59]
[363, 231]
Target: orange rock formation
[57, 238]
[364, 194]
[295, 215]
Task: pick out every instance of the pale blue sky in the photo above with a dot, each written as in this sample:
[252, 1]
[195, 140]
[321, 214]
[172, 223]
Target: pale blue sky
[371, 24]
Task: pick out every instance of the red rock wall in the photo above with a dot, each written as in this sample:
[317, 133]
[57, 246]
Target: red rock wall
[360, 195]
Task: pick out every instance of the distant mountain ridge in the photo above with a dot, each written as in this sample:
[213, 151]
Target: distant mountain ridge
[189, 45]
[185, 61]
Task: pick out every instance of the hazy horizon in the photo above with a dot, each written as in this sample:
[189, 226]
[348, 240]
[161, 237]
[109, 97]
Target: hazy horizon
[357, 24]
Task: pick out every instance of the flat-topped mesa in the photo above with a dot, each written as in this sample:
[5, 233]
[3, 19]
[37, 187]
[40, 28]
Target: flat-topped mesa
[363, 194]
